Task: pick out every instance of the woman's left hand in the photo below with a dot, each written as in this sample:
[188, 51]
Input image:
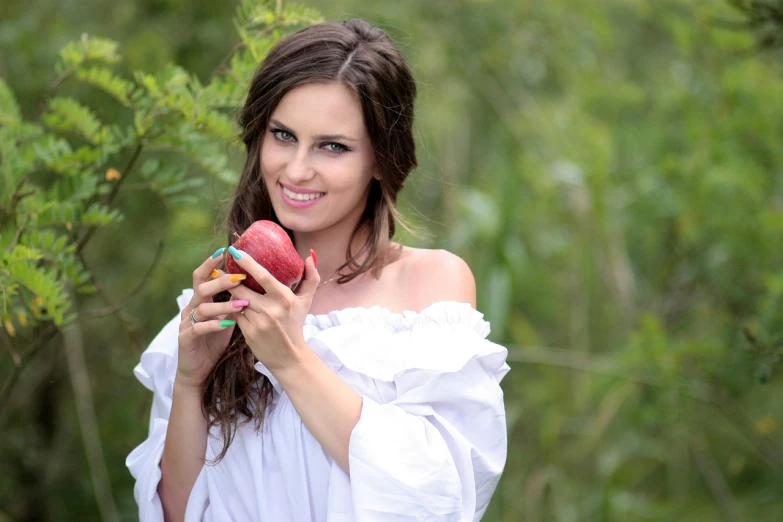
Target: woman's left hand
[272, 323]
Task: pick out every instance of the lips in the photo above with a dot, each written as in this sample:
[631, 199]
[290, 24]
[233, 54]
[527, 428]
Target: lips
[303, 192]
[300, 196]
[297, 203]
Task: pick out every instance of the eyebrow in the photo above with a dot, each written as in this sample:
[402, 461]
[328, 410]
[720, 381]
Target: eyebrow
[321, 137]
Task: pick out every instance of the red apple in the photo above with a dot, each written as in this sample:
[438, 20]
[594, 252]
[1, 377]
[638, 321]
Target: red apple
[267, 243]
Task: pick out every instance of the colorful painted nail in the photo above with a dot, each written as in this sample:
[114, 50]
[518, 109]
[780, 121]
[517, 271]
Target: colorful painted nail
[234, 252]
[240, 303]
[235, 278]
[218, 252]
[315, 257]
[224, 323]
[214, 274]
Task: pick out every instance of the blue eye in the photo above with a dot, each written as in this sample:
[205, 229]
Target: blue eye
[336, 148]
[282, 135]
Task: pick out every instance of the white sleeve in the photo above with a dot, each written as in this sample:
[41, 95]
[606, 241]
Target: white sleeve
[437, 449]
[156, 371]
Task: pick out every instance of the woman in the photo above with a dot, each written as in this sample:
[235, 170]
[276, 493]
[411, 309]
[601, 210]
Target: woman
[372, 395]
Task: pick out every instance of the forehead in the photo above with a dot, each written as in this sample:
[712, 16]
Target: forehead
[314, 109]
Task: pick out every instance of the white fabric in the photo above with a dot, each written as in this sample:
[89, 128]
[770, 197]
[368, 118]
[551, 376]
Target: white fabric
[430, 444]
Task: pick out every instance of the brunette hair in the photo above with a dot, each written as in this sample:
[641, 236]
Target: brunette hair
[365, 59]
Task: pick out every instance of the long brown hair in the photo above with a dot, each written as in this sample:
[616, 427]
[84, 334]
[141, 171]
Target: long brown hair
[364, 58]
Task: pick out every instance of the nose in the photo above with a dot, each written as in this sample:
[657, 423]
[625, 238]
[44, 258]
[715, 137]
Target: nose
[299, 169]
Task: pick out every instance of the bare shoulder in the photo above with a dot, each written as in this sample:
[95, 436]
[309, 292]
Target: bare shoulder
[438, 275]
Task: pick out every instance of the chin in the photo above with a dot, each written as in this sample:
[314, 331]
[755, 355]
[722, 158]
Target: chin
[297, 223]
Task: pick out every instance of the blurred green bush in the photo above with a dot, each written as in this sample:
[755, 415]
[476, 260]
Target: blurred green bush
[613, 173]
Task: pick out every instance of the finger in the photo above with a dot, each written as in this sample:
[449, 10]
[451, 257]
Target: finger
[242, 318]
[203, 272]
[271, 285]
[310, 280]
[205, 291]
[212, 326]
[243, 292]
[209, 311]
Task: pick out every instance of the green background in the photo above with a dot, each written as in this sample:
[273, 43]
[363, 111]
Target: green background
[612, 171]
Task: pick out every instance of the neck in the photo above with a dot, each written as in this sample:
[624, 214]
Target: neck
[330, 246]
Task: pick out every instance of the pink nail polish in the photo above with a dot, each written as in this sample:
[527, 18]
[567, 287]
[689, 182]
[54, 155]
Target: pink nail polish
[240, 303]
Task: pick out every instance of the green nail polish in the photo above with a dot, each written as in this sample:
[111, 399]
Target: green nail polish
[218, 252]
[234, 252]
[224, 323]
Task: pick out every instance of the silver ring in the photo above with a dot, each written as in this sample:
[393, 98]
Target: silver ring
[193, 319]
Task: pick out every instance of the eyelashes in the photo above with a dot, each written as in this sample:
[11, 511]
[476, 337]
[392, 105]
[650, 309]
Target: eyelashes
[332, 147]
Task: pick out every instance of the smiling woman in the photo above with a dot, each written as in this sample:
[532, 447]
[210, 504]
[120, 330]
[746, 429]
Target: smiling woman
[376, 398]
[299, 154]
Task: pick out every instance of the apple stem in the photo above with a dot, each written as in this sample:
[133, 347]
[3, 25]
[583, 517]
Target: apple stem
[237, 235]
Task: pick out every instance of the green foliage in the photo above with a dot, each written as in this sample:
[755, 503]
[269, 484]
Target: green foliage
[610, 171]
[41, 286]
[9, 110]
[62, 171]
[66, 115]
[765, 19]
[105, 80]
[87, 49]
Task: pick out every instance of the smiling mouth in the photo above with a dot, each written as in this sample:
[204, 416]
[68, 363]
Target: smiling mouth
[302, 197]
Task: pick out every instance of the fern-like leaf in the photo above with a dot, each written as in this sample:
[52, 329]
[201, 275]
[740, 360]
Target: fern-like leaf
[22, 254]
[58, 155]
[299, 15]
[86, 49]
[68, 115]
[10, 114]
[14, 165]
[100, 216]
[44, 284]
[104, 79]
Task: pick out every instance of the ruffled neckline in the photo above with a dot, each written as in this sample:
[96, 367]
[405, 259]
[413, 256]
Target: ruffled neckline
[442, 337]
[440, 312]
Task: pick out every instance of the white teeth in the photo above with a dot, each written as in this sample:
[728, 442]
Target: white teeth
[302, 197]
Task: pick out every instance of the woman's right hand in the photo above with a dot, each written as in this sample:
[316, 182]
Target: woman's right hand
[201, 344]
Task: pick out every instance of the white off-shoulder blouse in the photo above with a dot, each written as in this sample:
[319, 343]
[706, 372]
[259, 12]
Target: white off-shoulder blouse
[430, 444]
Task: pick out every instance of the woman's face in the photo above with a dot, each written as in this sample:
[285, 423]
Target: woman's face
[317, 146]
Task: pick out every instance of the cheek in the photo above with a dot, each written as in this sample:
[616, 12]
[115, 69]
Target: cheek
[346, 174]
[272, 159]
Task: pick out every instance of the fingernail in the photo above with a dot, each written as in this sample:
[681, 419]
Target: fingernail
[214, 274]
[234, 252]
[237, 278]
[240, 303]
[315, 257]
[218, 252]
[224, 323]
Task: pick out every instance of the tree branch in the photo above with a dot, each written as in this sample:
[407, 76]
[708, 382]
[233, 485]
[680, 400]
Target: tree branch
[48, 333]
[716, 482]
[15, 240]
[115, 189]
[237, 47]
[53, 87]
[112, 308]
[115, 310]
[9, 346]
[85, 410]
